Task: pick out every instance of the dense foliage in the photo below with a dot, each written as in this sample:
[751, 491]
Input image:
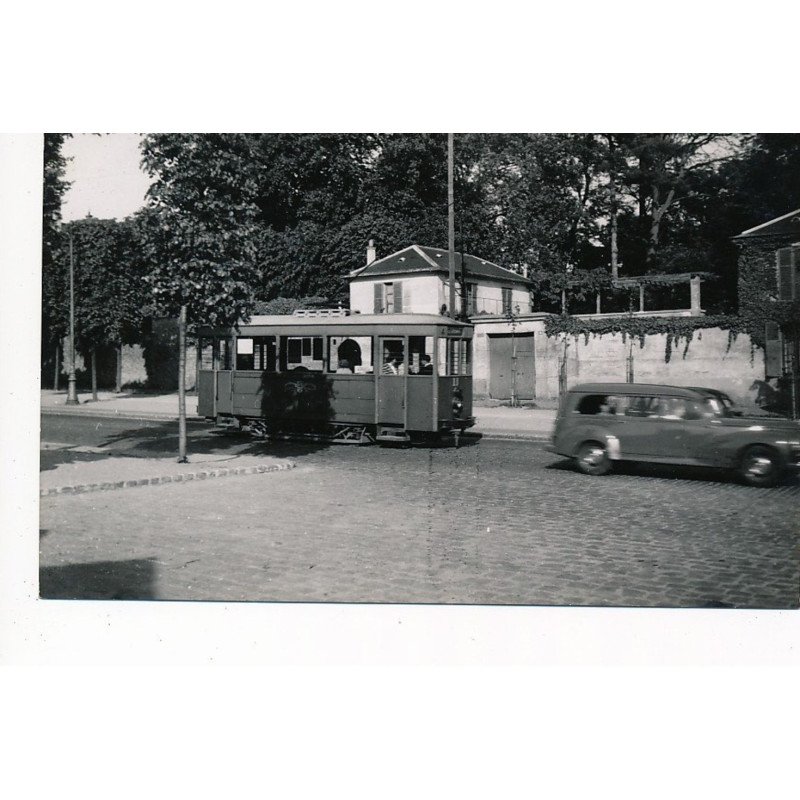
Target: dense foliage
[237, 218]
[298, 209]
[200, 230]
[111, 297]
[54, 271]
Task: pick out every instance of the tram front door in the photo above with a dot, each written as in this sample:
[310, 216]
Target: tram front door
[391, 381]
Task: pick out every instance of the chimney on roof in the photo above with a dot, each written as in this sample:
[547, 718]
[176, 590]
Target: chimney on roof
[370, 251]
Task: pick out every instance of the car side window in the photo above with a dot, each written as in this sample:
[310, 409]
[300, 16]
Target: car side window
[591, 404]
[640, 406]
[675, 408]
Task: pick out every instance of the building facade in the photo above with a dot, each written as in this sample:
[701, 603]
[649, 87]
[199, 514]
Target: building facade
[769, 290]
[513, 358]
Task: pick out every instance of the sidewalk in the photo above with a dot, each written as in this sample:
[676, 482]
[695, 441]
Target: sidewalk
[91, 469]
[492, 422]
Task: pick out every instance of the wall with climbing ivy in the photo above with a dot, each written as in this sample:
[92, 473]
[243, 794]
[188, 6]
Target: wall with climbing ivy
[684, 351]
[713, 358]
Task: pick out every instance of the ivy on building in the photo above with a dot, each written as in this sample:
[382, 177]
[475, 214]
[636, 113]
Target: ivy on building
[676, 329]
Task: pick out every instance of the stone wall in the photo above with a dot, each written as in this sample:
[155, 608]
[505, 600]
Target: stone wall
[152, 366]
[709, 361]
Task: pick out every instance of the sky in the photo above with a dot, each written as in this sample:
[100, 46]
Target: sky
[106, 178]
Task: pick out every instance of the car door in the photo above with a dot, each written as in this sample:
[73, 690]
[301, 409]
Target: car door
[654, 429]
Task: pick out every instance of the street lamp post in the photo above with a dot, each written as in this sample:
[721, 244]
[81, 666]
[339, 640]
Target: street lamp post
[72, 392]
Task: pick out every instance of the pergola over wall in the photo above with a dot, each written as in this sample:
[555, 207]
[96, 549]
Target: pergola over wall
[694, 280]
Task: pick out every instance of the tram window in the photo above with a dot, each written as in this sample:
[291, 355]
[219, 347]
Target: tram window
[455, 356]
[225, 354]
[302, 352]
[392, 357]
[244, 353]
[351, 353]
[206, 347]
[264, 353]
[418, 348]
[466, 353]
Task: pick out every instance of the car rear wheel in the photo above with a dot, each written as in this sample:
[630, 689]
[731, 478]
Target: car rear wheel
[760, 466]
[592, 459]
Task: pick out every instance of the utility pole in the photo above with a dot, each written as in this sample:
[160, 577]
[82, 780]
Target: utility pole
[613, 190]
[182, 459]
[72, 392]
[451, 227]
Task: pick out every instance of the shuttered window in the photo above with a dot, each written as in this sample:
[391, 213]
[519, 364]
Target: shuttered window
[397, 305]
[472, 298]
[788, 268]
[506, 300]
[388, 298]
[773, 351]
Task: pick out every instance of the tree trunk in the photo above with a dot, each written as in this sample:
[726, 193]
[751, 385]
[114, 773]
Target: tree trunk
[182, 459]
[57, 370]
[94, 374]
[659, 210]
[118, 383]
[614, 263]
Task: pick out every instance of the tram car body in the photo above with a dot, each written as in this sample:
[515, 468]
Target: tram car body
[355, 379]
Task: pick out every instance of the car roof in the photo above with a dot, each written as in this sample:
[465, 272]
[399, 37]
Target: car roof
[715, 392]
[635, 388]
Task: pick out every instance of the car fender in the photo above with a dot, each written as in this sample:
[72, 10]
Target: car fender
[595, 433]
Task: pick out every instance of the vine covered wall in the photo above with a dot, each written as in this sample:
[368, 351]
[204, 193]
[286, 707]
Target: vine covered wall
[678, 332]
[715, 359]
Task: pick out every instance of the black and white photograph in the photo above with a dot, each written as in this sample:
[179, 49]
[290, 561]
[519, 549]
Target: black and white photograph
[399, 400]
[540, 369]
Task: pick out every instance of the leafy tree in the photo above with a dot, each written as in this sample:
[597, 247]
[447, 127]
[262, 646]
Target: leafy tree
[662, 173]
[530, 197]
[199, 232]
[111, 297]
[55, 280]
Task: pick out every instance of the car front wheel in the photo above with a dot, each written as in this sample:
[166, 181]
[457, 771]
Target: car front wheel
[592, 459]
[760, 466]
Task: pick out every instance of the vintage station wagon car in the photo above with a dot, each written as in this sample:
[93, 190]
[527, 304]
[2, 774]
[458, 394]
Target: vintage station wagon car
[599, 423]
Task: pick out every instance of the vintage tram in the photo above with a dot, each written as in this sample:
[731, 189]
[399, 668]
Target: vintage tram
[386, 378]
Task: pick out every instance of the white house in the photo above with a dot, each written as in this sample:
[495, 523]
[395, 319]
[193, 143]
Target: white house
[498, 303]
[415, 280]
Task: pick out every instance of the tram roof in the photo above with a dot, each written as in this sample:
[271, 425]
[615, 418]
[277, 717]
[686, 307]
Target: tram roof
[351, 321]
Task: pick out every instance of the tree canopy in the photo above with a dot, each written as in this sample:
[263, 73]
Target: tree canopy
[55, 283]
[234, 218]
[111, 297]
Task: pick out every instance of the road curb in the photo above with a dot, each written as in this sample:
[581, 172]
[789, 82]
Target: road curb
[140, 415]
[518, 437]
[182, 477]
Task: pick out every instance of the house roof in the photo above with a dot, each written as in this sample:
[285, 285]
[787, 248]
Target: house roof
[422, 259]
[787, 225]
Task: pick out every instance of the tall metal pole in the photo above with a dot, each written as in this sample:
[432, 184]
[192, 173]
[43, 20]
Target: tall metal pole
[72, 392]
[182, 459]
[451, 227]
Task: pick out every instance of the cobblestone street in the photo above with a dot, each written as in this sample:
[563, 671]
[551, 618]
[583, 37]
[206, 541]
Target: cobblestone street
[491, 522]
